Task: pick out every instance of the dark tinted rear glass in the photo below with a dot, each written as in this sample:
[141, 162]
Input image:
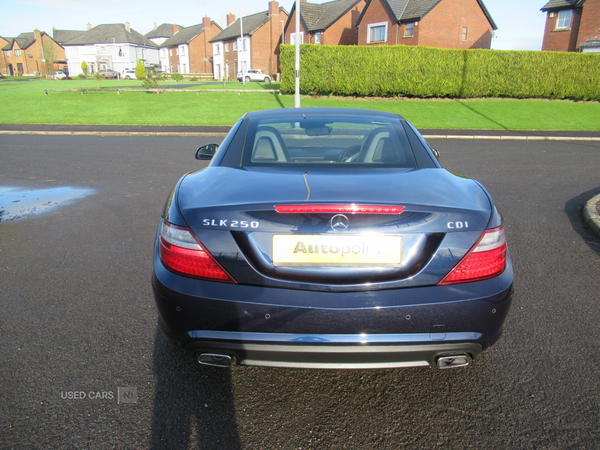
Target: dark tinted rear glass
[332, 140]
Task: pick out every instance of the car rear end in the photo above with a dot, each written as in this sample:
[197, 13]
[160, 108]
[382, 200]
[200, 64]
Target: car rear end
[300, 256]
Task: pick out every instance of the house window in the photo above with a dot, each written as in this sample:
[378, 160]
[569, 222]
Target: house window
[217, 49]
[8, 53]
[464, 34]
[182, 51]
[318, 38]
[377, 32]
[410, 29]
[564, 19]
[121, 52]
[227, 46]
[17, 52]
[293, 38]
[235, 45]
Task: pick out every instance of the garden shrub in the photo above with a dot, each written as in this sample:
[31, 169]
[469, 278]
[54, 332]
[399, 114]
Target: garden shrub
[140, 70]
[434, 72]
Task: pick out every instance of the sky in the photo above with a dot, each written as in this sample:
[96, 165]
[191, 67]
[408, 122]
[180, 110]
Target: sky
[520, 22]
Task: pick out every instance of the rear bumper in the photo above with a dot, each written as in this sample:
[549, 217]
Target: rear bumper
[379, 328]
[299, 329]
[330, 351]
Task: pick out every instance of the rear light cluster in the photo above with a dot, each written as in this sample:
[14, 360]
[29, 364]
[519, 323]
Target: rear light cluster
[182, 253]
[339, 209]
[486, 259]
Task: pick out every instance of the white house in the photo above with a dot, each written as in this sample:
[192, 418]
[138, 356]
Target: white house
[112, 46]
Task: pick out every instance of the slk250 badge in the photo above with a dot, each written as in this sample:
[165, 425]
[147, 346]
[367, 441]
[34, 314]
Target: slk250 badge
[229, 223]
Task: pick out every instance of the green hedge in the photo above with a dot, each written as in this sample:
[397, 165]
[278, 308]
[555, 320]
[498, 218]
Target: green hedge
[436, 72]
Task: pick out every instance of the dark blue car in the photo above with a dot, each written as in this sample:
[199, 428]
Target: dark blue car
[330, 238]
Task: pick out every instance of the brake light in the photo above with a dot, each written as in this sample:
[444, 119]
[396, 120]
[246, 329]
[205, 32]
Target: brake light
[486, 259]
[339, 209]
[181, 252]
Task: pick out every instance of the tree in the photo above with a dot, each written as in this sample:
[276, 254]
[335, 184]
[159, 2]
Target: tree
[49, 59]
[140, 70]
[84, 68]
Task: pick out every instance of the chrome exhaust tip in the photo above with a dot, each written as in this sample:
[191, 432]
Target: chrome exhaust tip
[450, 362]
[213, 359]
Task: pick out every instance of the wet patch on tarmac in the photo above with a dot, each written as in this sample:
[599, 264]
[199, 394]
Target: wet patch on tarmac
[18, 202]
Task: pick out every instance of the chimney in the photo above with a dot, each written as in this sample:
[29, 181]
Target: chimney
[206, 23]
[89, 26]
[230, 18]
[273, 8]
[175, 29]
[128, 27]
[155, 26]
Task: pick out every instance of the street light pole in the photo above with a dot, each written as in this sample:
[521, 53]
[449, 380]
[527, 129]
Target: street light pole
[297, 63]
[241, 50]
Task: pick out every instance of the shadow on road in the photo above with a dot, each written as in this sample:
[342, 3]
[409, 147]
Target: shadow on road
[193, 405]
[574, 211]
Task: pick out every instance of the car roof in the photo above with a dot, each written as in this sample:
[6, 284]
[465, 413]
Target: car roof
[332, 111]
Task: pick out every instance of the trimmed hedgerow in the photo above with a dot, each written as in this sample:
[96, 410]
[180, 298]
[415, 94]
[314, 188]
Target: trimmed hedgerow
[436, 72]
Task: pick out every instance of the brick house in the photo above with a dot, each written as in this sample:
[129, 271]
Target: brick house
[331, 23]
[460, 24]
[30, 54]
[189, 49]
[571, 25]
[3, 43]
[259, 48]
[111, 46]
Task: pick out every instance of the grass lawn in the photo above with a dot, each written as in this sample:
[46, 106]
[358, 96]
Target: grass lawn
[25, 102]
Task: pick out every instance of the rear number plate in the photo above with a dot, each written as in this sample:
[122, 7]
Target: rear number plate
[314, 250]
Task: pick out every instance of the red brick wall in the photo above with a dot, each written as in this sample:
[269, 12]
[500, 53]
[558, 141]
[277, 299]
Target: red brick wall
[3, 68]
[201, 50]
[404, 39]
[230, 58]
[590, 22]
[564, 39]
[173, 59]
[264, 44]
[376, 13]
[292, 29]
[343, 31]
[443, 26]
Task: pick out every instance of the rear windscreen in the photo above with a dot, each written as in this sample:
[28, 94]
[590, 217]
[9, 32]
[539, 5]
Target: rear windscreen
[319, 139]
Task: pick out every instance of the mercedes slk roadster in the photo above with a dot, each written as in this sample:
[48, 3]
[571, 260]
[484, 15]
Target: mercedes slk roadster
[330, 239]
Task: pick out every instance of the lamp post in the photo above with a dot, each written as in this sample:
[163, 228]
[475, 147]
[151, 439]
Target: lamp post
[297, 63]
[241, 50]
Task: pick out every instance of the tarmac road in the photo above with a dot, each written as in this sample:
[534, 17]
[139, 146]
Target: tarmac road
[83, 364]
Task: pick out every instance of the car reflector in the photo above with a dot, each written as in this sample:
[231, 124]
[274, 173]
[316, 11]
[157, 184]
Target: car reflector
[182, 253]
[339, 209]
[486, 259]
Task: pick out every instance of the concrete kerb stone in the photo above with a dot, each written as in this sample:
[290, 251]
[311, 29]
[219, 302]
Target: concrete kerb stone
[591, 215]
[204, 133]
